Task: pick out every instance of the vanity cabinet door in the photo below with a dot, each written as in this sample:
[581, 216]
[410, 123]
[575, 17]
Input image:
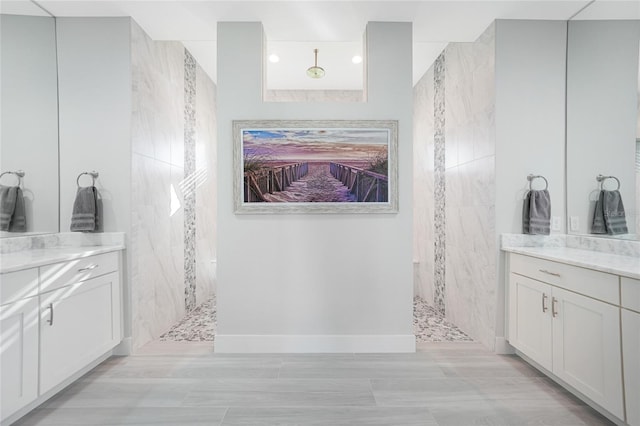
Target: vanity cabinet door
[78, 323]
[530, 318]
[586, 348]
[631, 357]
[18, 355]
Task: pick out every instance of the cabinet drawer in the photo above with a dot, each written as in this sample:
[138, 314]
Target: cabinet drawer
[630, 293]
[74, 271]
[596, 284]
[18, 285]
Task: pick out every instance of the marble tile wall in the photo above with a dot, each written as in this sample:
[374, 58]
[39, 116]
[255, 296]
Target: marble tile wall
[206, 188]
[173, 164]
[471, 260]
[157, 234]
[455, 244]
[423, 189]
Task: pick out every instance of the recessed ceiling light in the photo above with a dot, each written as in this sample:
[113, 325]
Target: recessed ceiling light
[273, 58]
[356, 59]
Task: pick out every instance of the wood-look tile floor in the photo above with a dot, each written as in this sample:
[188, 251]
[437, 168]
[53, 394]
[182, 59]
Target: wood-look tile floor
[444, 384]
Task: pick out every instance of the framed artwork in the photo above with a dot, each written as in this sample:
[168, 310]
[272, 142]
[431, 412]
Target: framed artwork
[315, 166]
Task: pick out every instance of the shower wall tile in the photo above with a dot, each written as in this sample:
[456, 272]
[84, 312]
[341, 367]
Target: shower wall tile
[157, 76]
[470, 279]
[206, 188]
[157, 240]
[423, 187]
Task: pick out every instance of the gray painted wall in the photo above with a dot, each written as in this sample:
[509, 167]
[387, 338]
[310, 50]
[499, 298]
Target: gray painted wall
[530, 125]
[347, 284]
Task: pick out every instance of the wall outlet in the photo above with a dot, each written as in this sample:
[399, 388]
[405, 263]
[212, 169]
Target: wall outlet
[555, 223]
[574, 223]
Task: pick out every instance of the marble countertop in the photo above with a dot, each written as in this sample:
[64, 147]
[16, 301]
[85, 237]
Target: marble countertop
[10, 262]
[627, 266]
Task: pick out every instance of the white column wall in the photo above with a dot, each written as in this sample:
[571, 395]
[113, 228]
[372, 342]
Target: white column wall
[320, 283]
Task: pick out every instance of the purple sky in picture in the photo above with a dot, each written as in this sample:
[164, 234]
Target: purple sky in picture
[315, 144]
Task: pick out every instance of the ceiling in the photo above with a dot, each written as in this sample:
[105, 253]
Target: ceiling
[294, 28]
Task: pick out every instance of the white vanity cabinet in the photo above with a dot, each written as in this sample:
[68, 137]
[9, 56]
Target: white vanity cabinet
[630, 292]
[18, 340]
[530, 327]
[567, 320]
[79, 315]
[57, 320]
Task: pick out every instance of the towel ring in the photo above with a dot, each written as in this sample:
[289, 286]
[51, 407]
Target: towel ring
[18, 173]
[93, 175]
[531, 178]
[601, 179]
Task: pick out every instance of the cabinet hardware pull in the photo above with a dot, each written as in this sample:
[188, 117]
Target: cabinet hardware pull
[88, 268]
[544, 305]
[554, 313]
[50, 320]
[544, 271]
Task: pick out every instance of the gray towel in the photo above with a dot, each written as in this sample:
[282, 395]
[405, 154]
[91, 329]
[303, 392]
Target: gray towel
[7, 206]
[85, 216]
[19, 220]
[598, 226]
[536, 213]
[525, 213]
[609, 216]
[12, 212]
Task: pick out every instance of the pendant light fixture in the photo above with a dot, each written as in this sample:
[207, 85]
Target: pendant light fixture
[315, 71]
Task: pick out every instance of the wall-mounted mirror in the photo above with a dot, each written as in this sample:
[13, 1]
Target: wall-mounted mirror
[29, 112]
[602, 116]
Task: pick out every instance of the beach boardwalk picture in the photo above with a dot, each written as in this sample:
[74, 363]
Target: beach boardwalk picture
[315, 164]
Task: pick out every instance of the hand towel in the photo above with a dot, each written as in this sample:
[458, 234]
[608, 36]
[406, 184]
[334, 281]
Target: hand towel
[526, 208]
[609, 215]
[84, 215]
[18, 220]
[7, 205]
[614, 215]
[598, 226]
[537, 212]
[12, 212]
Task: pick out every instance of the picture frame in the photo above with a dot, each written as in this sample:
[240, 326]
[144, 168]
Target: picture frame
[315, 166]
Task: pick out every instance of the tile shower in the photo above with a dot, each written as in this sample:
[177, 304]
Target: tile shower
[199, 325]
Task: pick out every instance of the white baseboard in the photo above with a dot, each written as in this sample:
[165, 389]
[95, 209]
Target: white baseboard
[503, 347]
[243, 343]
[125, 348]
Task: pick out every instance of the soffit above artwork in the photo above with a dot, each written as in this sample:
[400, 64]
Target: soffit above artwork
[336, 28]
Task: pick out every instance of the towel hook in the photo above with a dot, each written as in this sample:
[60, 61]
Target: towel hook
[601, 179]
[531, 177]
[18, 173]
[93, 175]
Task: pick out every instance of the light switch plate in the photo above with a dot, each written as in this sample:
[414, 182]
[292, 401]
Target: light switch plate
[555, 223]
[574, 223]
